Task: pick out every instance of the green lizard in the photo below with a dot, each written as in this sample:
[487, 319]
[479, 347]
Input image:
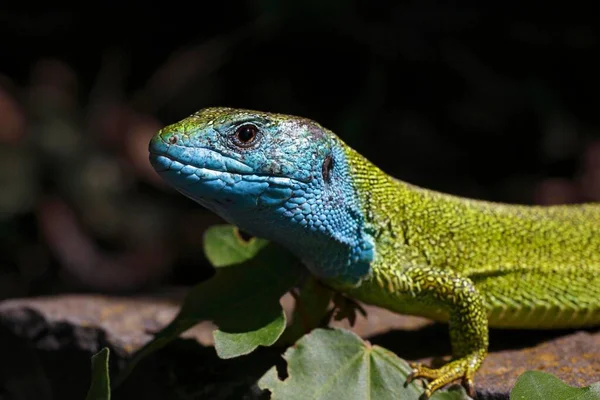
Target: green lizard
[385, 242]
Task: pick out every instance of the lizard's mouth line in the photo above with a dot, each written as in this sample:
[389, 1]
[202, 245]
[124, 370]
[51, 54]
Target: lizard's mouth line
[163, 164]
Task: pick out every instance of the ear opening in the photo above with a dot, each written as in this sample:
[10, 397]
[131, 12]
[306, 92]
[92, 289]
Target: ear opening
[327, 168]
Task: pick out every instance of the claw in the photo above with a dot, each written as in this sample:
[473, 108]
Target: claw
[426, 394]
[469, 386]
[413, 373]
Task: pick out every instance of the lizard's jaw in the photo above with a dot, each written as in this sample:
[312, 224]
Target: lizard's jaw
[167, 155]
[216, 181]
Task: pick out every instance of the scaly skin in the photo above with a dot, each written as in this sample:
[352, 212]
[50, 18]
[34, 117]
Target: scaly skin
[470, 263]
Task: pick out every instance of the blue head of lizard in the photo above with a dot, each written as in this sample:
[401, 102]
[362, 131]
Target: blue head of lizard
[276, 176]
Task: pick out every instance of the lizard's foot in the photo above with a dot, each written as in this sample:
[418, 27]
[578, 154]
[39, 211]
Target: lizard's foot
[463, 369]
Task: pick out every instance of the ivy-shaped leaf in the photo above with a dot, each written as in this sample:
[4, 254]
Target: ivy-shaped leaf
[337, 364]
[537, 385]
[242, 300]
[100, 385]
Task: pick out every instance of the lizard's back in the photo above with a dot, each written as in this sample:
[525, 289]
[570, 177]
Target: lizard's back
[539, 266]
[535, 266]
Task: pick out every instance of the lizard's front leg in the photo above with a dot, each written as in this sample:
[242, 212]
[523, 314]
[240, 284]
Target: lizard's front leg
[467, 323]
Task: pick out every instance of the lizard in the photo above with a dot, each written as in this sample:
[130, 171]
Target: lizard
[470, 263]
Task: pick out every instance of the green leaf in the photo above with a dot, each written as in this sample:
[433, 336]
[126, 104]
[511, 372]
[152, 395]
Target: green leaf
[242, 300]
[100, 386]
[534, 385]
[337, 364]
[224, 246]
[232, 341]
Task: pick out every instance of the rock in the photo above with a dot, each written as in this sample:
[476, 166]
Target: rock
[50, 341]
[53, 339]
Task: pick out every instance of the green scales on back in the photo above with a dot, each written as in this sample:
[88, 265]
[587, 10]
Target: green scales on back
[535, 266]
[471, 263]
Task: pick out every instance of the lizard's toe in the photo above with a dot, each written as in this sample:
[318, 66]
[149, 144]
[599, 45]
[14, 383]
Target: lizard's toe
[414, 373]
[469, 386]
[419, 371]
[436, 378]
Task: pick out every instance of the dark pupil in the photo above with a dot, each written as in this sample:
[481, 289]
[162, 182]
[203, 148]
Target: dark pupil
[246, 133]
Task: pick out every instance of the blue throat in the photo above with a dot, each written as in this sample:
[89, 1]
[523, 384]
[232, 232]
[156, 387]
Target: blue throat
[316, 217]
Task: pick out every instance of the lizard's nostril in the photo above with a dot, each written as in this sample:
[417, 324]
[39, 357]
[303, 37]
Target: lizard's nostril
[162, 140]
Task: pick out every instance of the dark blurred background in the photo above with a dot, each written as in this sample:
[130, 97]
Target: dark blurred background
[488, 101]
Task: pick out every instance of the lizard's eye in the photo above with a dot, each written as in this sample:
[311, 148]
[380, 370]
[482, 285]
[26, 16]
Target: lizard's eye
[246, 135]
